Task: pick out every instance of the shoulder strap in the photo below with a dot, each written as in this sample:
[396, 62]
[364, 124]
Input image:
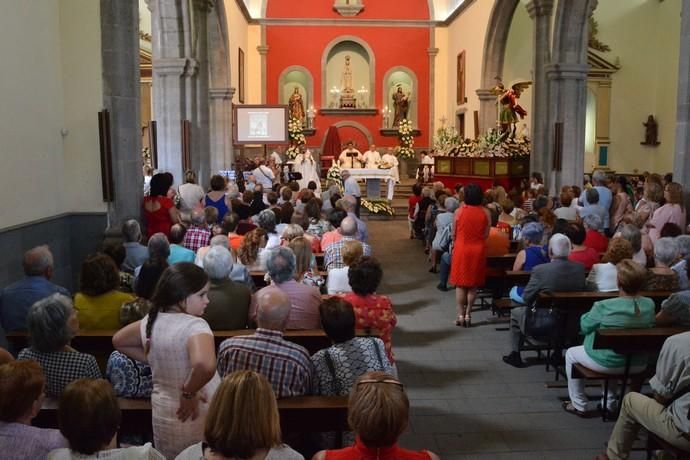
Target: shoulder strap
[331, 369]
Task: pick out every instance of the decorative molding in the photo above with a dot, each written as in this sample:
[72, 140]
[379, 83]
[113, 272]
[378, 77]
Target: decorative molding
[262, 49]
[348, 9]
[432, 51]
[309, 131]
[539, 8]
[340, 112]
[221, 93]
[347, 22]
[393, 132]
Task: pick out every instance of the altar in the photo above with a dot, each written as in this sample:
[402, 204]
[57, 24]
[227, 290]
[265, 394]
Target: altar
[374, 185]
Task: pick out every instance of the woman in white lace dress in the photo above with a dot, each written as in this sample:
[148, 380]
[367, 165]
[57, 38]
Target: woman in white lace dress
[179, 347]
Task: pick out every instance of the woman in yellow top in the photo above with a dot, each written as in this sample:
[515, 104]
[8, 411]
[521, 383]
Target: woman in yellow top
[98, 302]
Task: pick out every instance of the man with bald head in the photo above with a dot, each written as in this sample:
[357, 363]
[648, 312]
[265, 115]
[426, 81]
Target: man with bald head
[333, 255]
[285, 364]
[198, 235]
[17, 298]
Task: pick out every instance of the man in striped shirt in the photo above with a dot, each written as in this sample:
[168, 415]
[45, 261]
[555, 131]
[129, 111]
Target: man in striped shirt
[286, 365]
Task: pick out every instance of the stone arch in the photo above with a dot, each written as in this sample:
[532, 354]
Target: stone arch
[415, 90]
[220, 91]
[324, 63]
[310, 83]
[495, 43]
[496, 40]
[351, 124]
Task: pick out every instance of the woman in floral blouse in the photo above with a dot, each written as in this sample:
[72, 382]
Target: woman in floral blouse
[372, 311]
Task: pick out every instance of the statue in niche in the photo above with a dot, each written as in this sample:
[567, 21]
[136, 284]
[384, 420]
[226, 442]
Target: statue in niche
[347, 92]
[651, 132]
[511, 112]
[401, 105]
[296, 105]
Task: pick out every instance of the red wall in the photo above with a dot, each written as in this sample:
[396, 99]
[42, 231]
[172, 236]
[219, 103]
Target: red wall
[304, 45]
[373, 9]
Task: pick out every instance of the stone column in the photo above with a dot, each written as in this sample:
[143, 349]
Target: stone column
[180, 81]
[488, 111]
[432, 52]
[681, 158]
[121, 96]
[221, 128]
[540, 12]
[263, 51]
[568, 85]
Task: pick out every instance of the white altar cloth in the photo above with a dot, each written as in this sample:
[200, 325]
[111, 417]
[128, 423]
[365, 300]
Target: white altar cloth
[377, 174]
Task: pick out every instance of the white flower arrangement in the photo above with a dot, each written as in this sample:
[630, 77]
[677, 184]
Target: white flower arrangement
[491, 144]
[296, 136]
[334, 175]
[405, 130]
[445, 139]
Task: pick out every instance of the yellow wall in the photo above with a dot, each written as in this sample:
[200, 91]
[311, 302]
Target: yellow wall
[42, 174]
[645, 36]
[237, 32]
[466, 32]
[518, 60]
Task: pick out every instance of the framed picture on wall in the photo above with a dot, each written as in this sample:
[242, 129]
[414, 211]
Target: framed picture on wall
[240, 75]
[460, 94]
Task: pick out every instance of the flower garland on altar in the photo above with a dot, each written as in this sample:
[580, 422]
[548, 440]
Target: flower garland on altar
[380, 207]
[297, 139]
[405, 149]
[492, 144]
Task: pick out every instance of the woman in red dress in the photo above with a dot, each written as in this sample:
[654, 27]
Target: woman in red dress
[468, 264]
[378, 412]
[159, 209]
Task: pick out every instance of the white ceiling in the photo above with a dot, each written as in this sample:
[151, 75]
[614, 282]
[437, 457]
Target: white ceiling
[442, 8]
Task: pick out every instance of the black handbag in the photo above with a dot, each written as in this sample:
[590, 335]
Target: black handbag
[543, 322]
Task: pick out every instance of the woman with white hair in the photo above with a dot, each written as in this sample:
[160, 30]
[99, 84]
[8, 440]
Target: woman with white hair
[267, 220]
[681, 266]
[228, 304]
[662, 277]
[595, 239]
[633, 234]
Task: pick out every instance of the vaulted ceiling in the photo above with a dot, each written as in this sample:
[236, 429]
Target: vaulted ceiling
[441, 9]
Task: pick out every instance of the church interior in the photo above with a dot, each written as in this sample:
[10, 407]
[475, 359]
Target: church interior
[97, 94]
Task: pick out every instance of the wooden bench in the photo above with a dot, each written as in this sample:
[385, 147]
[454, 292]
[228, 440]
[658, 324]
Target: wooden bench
[100, 343]
[300, 414]
[626, 342]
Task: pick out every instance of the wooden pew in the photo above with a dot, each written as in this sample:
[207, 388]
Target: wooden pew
[583, 300]
[300, 414]
[100, 343]
[626, 342]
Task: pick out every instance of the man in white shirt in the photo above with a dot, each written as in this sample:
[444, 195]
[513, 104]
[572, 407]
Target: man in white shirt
[264, 175]
[350, 158]
[352, 188]
[371, 158]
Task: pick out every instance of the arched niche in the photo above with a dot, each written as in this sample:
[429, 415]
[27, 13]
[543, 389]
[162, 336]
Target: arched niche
[354, 131]
[293, 77]
[362, 63]
[407, 80]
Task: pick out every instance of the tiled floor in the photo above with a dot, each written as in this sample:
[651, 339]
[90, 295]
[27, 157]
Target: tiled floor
[466, 403]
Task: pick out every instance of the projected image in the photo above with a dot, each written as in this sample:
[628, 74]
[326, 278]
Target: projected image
[258, 125]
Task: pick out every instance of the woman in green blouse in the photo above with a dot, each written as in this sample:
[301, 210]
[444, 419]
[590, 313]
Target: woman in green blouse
[628, 310]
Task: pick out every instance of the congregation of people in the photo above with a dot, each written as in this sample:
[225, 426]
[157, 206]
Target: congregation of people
[216, 260]
[616, 234]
